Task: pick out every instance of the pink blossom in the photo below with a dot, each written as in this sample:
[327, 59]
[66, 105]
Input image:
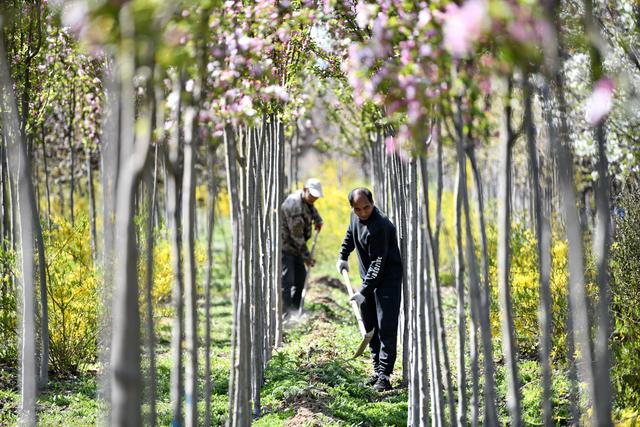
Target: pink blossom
[277, 91]
[426, 50]
[463, 26]
[414, 112]
[424, 17]
[394, 106]
[219, 130]
[246, 106]
[364, 12]
[410, 91]
[379, 26]
[485, 85]
[600, 102]
[326, 7]
[390, 145]
[75, 16]
[283, 35]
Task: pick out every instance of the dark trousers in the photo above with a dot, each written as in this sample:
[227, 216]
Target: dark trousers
[380, 312]
[294, 274]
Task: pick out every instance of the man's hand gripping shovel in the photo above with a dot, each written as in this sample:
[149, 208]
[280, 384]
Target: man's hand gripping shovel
[366, 336]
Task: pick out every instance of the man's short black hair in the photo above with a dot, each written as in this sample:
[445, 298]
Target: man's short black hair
[360, 190]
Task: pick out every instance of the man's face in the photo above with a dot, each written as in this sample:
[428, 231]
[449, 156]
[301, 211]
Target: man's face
[362, 207]
[308, 197]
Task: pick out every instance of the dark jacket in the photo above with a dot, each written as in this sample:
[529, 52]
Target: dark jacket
[379, 258]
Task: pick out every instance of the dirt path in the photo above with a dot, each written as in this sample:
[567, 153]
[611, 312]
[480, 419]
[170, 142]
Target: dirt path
[329, 388]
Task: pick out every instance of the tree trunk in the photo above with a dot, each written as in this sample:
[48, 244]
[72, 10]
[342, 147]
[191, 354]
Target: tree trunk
[174, 179]
[411, 320]
[148, 288]
[27, 227]
[126, 392]
[504, 254]
[43, 377]
[460, 311]
[190, 289]
[490, 414]
[46, 178]
[5, 209]
[578, 306]
[211, 199]
[92, 205]
[110, 158]
[239, 414]
[72, 151]
[278, 199]
[543, 238]
[601, 242]
[577, 289]
[437, 413]
[442, 344]
[258, 344]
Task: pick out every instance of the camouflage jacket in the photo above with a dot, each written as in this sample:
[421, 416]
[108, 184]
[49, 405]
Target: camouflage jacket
[295, 226]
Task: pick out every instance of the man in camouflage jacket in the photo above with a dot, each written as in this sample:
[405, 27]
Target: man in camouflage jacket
[298, 214]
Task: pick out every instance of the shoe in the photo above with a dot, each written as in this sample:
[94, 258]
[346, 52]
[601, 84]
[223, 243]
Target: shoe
[382, 384]
[371, 380]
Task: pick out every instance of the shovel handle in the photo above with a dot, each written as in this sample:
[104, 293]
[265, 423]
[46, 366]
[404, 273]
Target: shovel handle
[306, 279]
[354, 305]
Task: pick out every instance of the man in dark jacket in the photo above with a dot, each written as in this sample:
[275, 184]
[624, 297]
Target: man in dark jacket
[298, 214]
[374, 237]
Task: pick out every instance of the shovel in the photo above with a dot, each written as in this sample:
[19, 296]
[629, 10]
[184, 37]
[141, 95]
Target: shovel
[306, 279]
[366, 336]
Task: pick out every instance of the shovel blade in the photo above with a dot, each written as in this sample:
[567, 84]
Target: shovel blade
[365, 341]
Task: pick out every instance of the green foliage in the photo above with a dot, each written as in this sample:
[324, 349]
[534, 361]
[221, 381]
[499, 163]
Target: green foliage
[72, 296]
[532, 394]
[625, 303]
[314, 372]
[525, 290]
[8, 309]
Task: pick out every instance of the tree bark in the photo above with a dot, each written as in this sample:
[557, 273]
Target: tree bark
[190, 289]
[18, 159]
[460, 305]
[504, 254]
[174, 178]
[211, 199]
[543, 238]
[412, 319]
[437, 413]
[72, 153]
[110, 156]
[601, 241]
[126, 392]
[490, 414]
[92, 205]
[148, 288]
[46, 179]
[239, 414]
[578, 303]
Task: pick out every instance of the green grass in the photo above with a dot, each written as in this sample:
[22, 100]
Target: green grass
[311, 380]
[314, 378]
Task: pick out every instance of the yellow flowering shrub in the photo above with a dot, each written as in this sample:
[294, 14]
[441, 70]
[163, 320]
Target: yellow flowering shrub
[335, 210]
[73, 298]
[162, 274]
[525, 295]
